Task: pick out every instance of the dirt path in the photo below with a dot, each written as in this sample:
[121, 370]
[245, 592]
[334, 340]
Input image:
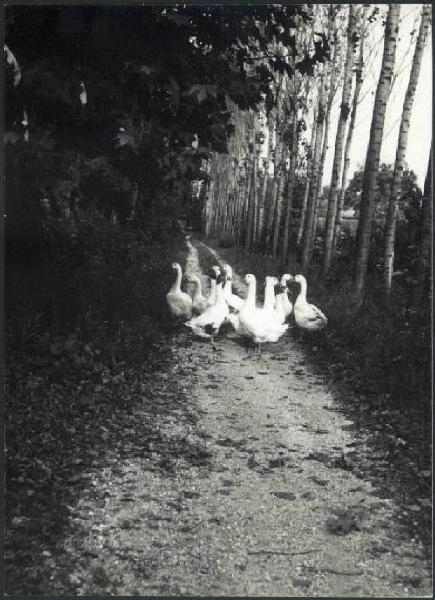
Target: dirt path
[258, 494]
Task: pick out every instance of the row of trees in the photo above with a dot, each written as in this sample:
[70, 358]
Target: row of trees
[122, 108]
[265, 193]
[115, 107]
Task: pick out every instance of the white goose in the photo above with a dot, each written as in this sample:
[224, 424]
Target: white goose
[259, 324]
[199, 303]
[208, 324]
[282, 302]
[269, 293]
[234, 301]
[307, 316]
[212, 296]
[179, 303]
[274, 304]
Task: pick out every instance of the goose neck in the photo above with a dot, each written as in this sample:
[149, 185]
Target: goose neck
[252, 290]
[303, 292]
[220, 292]
[176, 287]
[197, 284]
[269, 295]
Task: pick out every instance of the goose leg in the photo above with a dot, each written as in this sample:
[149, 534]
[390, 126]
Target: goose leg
[212, 343]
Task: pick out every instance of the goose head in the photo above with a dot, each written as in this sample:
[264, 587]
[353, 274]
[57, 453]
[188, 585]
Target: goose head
[215, 272]
[176, 266]
[192, 278]
[228, 271]
[286, 277]
[271, 280]
[250, 279]
[300, 279]
[221, 279]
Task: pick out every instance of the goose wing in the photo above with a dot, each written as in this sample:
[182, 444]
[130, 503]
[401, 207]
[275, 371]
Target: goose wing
[235, 302]
[317, 314]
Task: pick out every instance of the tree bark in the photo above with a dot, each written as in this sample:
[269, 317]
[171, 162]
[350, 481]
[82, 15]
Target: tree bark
[339, 140]
[279, 202]
[307, 248]
[358, 84]
[370, 178]
[390, 224]
[290, 188]
[301, 225]
[273, 196]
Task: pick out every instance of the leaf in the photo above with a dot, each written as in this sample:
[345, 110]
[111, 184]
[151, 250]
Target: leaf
[343, 524]
[284, 495]
[426, 474]
[201, 92]
[57, 348]
[41, 361]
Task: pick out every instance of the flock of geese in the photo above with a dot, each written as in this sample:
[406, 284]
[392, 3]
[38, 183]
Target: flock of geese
[205, 315]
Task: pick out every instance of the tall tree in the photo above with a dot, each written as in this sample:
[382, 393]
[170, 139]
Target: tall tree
[309, 169]
[349, 138]
[390, 223]
[307, 247]
[374, 150]
[339, 140]
[290, 187]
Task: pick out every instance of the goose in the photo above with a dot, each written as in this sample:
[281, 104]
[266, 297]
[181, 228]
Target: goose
[234, 301]
[269, 293]
[215, 271]
[274, 304]
[307, 316]
[259, 324]
[282, 303]
[208, 324]
[199, 303]
[179, 303]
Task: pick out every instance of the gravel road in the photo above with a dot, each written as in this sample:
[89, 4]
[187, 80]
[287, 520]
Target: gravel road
[261, 493]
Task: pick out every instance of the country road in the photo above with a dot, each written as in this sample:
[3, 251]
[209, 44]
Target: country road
[258, 490]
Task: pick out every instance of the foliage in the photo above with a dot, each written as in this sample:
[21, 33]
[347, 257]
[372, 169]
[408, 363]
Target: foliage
[410, 191]
[96, 84]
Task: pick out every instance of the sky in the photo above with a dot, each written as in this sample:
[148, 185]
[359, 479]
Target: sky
[420, 133]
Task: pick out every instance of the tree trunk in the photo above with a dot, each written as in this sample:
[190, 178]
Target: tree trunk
[358, 84]
[273, 196]
[250, 225]
[279, 202]
[390, 224]
[310, 155]
[301, 225]
[290, 187]
[338, 153]
[262, 205]
[307, 248]
[370, 179]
